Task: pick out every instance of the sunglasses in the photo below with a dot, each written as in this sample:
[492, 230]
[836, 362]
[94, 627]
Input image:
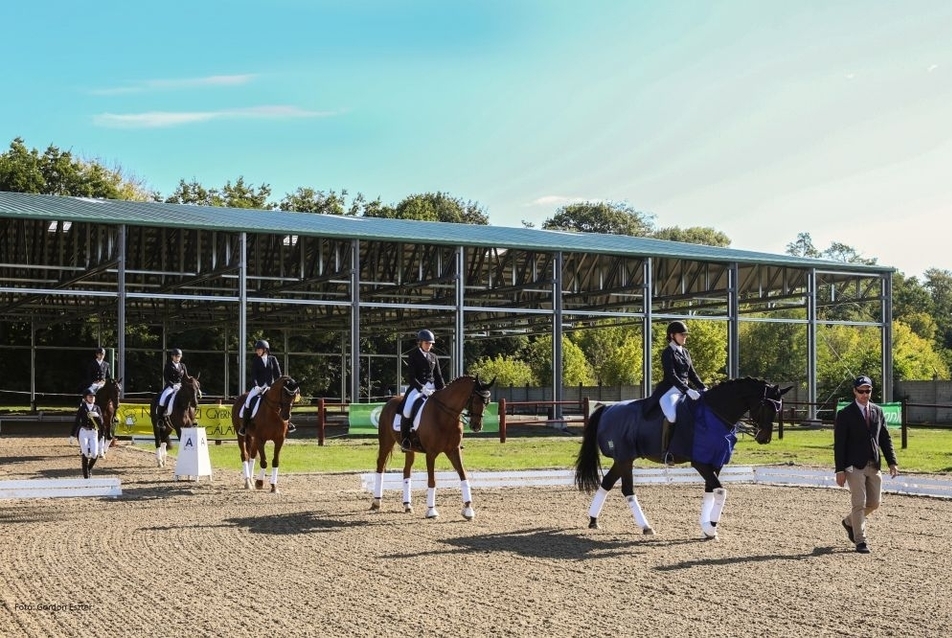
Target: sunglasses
[862, 391]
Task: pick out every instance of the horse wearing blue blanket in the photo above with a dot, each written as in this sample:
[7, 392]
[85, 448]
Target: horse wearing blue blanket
[704, 436]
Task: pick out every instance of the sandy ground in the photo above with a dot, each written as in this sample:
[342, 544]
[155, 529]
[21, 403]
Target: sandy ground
[176, 558]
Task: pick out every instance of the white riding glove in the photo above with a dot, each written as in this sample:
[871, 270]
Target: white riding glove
[176, 386]
[425, 391]
[694, 394]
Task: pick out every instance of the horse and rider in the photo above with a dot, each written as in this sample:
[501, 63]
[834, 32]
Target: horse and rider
[265, 371]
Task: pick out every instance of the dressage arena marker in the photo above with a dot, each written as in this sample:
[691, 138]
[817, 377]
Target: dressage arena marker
[193, 454]
[54, 488]
[766, 475]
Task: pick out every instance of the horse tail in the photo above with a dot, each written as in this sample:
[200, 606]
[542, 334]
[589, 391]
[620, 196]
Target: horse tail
[588, 464]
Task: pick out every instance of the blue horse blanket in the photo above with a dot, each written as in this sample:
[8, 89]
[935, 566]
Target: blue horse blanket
[699, 435]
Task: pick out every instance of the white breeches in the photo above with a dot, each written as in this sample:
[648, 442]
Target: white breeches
[669, 403]
[252, 393]
[89, 443]
[412, 395]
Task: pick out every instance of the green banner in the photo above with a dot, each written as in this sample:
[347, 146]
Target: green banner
[363, 418]
[892, 412]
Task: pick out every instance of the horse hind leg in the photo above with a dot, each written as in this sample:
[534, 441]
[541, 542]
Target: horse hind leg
[616, 471]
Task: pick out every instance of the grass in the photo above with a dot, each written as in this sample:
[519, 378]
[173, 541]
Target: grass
[930, 450]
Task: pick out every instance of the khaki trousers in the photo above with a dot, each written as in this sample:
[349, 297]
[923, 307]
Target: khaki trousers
[865, 495]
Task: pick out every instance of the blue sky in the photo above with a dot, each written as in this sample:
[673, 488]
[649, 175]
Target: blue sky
[762, 119]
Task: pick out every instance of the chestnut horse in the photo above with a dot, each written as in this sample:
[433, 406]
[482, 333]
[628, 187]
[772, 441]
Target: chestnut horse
[704, 436]
[184, 405]
[440, 431]
[107, 398]
[269, 423]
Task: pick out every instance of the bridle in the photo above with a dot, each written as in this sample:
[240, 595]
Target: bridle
[761, 421]
[473, 421]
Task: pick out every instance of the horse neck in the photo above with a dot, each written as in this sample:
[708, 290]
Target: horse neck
[731, 400]
[457, 394]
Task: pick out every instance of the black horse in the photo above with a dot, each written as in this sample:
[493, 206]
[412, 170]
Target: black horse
[704, 436]
[184, 405]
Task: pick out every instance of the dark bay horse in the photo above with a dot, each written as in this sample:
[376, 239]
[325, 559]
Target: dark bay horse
[440, 431]
[269, 423]
[704, 436]
[182, 415]
[107, 398]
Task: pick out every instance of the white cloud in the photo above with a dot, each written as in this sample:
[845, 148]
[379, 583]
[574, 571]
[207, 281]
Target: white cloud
[179, 83]
[556, 200]
[159, 119]
[933, 68]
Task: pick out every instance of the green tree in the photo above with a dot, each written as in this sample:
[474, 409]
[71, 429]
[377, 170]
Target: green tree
[694, 235]
[914, 358]
[774, 351]
[508, 371]
[237, 195]
[432, 207]
[575, 368]
[614, 353]
[309, 200]
[613, 218]
[57, 172]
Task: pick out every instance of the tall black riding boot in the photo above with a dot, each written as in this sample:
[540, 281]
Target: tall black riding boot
[667, 431]
[85, 467]
[405, 425]
[245, 422]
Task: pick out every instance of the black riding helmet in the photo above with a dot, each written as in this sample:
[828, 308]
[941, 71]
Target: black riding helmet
[426, 335]
[100, 350]
[677, 328]
[175, 352]
[261, 343]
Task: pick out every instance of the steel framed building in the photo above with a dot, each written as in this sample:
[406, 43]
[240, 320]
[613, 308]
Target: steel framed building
[62, 258]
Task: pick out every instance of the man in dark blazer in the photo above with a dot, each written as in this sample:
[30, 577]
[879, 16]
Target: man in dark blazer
[860, 440]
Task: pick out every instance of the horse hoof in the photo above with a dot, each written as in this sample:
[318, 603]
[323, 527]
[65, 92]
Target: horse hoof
[259, 485]
[432, 513]
[375, 505]
[274, 489]
[248, 484]
[407, 508]
[648, 531]
[468, 513]
[593, 523]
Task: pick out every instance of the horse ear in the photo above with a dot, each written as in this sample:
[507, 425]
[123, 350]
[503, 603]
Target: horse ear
[786, 390]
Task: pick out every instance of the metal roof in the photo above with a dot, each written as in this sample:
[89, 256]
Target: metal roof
[154, 214]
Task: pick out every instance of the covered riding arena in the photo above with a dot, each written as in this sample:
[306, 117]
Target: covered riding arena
[160, 269]
[208, 559]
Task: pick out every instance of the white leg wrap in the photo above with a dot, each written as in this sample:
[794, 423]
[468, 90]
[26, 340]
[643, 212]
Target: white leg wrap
[635, 508]
[467, 494]
[706, 506]
[261, 475]
[378, 485]
[407, 494]
[274, 476]
[431, 497]
[720, 495]
[596, 508]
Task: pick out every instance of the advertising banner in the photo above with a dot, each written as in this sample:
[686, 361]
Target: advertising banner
[892, 412]
[364, 417]
[134, 419]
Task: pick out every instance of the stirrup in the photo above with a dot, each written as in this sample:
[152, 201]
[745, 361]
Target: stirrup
[667, 458]
[291, 427]
[241, 431]
[406, 445]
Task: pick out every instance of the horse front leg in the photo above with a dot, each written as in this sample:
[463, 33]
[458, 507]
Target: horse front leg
[408, 459]
[274, 465]
[714, 498]
[262, 463]
[456, 458]
[247, 462]
[430, 485]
